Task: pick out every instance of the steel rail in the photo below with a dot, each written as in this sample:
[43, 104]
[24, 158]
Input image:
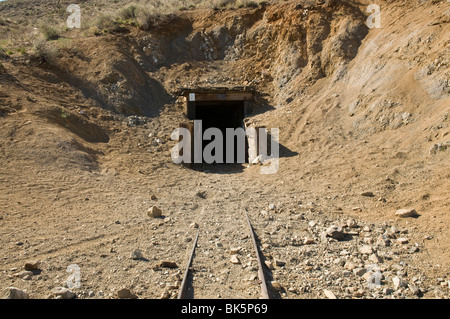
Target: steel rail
[264, 291]
[182, 292]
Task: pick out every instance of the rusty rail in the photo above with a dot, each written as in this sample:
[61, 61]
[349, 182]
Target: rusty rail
[264, 291]
[183, 286]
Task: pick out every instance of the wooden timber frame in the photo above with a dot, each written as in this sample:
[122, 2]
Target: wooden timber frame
[201, 96]
[225, 94]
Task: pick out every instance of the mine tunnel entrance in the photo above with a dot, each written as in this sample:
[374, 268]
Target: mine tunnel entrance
[221, 109]
[223, 115]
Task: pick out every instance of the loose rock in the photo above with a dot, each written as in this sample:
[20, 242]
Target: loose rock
[154, 212]
[366, 249]
[234, 259]
[136, 255]
[33, 265]
[276, 285]
[15, 293]
[269, 264]
[335, 232]
[367, 194]
[404, 213]
[62, 293]
[126, 293]
[168, 264]
[329, 294]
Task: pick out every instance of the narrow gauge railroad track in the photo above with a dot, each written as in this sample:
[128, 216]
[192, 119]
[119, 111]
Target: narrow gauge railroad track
[264, 291]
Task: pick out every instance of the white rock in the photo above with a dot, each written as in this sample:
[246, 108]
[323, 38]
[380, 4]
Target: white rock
[403, 213]
[269, 264]
[366, 249]
[234, 259]
[329, 294]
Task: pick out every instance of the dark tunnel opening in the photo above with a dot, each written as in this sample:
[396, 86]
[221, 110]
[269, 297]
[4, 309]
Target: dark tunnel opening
[224, 115]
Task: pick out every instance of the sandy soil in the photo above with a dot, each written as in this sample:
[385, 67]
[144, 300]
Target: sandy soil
[359, 110]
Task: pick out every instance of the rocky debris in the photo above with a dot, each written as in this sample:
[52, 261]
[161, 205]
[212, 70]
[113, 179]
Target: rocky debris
[15, 293]
[335, 232]
[272, 207]
[193, 225]
[439, 147]
[308, 241]
[134, 121]
[126, 293]
[363, 266]
[25, 275]
[404, 213]
[154, 212]
[62, 293]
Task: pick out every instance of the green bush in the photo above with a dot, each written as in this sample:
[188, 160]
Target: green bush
[46, 52]
[49, 32]
[128, 13]
[246, 4]
[106, 23]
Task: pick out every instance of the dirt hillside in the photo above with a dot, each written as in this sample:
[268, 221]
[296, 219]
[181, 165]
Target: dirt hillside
[363, 114]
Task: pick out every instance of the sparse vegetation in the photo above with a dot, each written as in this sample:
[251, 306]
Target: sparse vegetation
[128, 13]
[106, 23]
[46, 51]
[49, 32]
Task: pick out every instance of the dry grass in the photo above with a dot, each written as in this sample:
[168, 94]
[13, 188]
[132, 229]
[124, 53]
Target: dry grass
[24, 24]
